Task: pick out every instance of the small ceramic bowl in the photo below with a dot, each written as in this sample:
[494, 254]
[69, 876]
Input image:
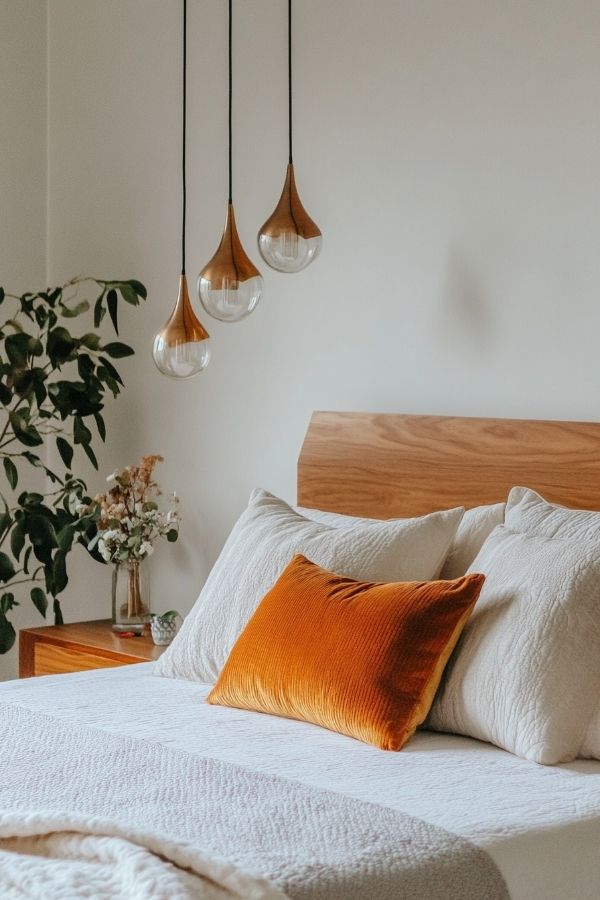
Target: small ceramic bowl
[163, 629]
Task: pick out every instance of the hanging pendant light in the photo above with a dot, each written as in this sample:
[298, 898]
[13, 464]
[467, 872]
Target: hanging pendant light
[289, 240]
[230, 285]
[182, 347]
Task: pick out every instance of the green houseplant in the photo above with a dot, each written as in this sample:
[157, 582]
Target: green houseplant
[53, 386]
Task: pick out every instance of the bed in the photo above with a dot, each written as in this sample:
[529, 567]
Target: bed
[539, 825]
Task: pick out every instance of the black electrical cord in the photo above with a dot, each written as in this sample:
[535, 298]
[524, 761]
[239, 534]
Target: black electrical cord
[230, 101]
[184, 139]
[290, 79]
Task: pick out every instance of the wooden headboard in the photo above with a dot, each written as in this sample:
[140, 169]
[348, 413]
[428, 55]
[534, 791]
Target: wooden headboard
[381, 465]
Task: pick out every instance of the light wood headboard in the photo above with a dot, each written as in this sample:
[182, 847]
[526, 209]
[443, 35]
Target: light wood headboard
[380, 465]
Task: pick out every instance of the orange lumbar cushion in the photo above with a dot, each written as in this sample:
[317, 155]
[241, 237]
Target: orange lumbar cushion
[361, 658]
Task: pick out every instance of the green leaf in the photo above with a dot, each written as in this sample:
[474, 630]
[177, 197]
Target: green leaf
[90, 340]
[60, 346]
[58, 617]
[42, 536]
[73, 311]
[39, 600]
[2, 294]
[23, 381]
[112, 302]
[59, 572]
[7, 602]
[11, 472]
[65, 537]
[111, 369]
[7, 569]
[65, 450]
[138, 287]
[172, 535]
[85, 366]
[5, 521]
[24, 432]
[28, 553]
[90, 455]
[128, 293]
[36, 348]
[100, 425]
[117, 350]
[17, 540]
[5, 394]
[7, 634]
[99, 311]
[17, 348]
[81, 434]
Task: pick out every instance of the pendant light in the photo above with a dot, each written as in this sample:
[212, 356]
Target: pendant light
[289, 240]
[230, 285]
[182, 347]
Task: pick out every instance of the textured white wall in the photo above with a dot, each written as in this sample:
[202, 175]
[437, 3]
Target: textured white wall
[451, 155]
[23, 91]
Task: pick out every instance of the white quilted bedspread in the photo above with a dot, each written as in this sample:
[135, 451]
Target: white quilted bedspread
[540, 824]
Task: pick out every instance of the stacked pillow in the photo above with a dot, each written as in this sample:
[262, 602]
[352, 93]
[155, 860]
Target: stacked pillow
[263, 541]
[525, 674]
[473, 529]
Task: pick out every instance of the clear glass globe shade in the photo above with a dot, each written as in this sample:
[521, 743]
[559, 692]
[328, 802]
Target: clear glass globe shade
[182, 359]
[230, 300]
[289, 252]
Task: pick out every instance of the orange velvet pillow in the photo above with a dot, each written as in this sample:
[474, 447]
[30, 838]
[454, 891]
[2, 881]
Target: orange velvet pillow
[361, 658]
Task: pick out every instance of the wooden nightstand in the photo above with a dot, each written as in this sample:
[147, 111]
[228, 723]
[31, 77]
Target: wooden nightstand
[54, 649]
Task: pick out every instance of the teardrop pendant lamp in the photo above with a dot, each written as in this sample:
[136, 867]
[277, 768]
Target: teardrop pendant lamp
[230, 285]
[182, 347]
[289, 240]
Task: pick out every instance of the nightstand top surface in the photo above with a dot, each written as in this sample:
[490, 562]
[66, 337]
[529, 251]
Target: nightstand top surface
[97, 635]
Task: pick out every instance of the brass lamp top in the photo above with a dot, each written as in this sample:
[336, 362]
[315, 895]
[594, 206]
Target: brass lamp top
[289, 214]
[183, 327]
[230, 264]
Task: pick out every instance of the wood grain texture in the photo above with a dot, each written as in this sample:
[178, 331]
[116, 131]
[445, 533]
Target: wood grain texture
[49, 659]
[385, 465]
[54, 649]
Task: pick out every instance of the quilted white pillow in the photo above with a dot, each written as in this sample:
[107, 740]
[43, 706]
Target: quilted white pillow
[530, 512]
[261, 544]
[474, 528]
[476, 525]
[524, 675]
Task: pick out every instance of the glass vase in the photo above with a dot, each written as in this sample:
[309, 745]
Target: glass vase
[130, 596]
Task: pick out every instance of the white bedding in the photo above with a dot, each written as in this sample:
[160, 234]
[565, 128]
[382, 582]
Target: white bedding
[540, 824]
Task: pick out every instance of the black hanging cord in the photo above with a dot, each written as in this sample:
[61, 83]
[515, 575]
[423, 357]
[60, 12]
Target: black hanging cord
[183, 136]
[290, 79]
[230, 101]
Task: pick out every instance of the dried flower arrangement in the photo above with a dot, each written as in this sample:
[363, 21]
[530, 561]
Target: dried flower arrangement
[130, 517]
[128, 521]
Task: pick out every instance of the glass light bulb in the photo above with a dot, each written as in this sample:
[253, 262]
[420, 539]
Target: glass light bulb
[181, 348]
[230, 285]
[289, 240]
[181, 360]
[288, 252]
[229, 300]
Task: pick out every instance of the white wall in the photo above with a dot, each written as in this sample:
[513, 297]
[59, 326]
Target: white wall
[23, 89]
[449, 151]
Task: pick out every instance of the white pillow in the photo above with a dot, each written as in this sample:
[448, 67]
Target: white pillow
[525, 675]
[474, 528]
[261, 544]
[476, 525]
[528, 511]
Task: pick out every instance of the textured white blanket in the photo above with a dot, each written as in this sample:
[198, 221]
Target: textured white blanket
[48, 856]
[134, 807]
